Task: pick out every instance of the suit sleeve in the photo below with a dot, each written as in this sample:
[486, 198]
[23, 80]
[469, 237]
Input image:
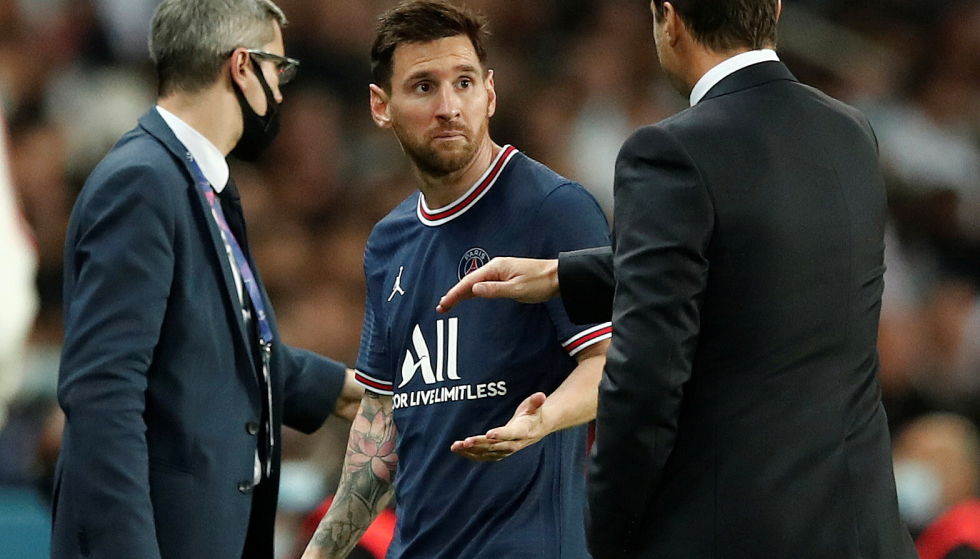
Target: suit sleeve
[312, 385]
[120, 268]
[587, 283]
[663, 223]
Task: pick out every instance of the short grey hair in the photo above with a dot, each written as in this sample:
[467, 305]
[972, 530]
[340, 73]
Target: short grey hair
[189, 39]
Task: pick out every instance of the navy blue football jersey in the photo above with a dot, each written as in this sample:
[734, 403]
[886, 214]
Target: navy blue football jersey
[460, 374]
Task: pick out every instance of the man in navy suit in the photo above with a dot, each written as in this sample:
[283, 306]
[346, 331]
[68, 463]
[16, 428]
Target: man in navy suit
[173, 379]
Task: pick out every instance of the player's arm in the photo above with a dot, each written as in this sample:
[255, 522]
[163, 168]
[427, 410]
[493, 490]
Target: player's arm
[572, 403]
[366, 483]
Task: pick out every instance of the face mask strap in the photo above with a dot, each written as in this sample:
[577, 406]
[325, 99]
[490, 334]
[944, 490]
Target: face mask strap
[270, 100]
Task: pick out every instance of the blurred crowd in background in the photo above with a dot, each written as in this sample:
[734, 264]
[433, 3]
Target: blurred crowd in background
[574, 78]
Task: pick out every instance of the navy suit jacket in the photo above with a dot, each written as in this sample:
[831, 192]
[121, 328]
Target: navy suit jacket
[739, 414]
[158, 380]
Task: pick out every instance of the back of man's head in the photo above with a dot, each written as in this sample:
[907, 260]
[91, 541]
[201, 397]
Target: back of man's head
[421, 21]
[726, 25]
[190, 39]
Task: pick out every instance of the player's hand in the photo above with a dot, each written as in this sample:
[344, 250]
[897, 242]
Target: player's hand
[350, 398]
[523, 279]
[524, 429]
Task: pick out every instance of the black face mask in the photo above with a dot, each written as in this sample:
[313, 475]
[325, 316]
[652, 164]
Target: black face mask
[258, 131]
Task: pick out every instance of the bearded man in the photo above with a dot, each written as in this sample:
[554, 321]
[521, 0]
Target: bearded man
[480, 412]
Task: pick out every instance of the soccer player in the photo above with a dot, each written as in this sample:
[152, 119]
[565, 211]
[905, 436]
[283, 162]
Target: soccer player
[437, 383]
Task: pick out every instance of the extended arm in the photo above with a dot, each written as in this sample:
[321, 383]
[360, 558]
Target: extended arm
[527, 280]
[587, 283]
[572, 403]
[366, 484]
[584, 279]
[315, 385]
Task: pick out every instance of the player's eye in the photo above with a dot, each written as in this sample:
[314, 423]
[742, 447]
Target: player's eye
[423, 87]
[465, 83]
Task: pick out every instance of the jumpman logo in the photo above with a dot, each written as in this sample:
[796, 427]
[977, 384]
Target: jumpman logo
[398, 284]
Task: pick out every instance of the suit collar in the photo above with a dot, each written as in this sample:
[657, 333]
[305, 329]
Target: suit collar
[209, 157]
[154, 125]
[751, 76]
[728, 67]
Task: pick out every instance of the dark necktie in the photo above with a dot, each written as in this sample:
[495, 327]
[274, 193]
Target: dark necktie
[231, 204]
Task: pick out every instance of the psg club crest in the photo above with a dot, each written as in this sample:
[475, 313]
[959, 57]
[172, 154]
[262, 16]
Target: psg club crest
[472, 260]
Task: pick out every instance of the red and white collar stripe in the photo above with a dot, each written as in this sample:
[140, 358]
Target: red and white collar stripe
[587, 337]
[436, 217]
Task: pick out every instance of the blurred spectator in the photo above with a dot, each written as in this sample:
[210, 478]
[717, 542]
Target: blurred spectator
[18, 299]
[23, 519]
[937, 467]
[956, 535]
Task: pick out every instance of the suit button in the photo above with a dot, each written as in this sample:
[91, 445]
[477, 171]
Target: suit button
[252, 428]
[245, 487]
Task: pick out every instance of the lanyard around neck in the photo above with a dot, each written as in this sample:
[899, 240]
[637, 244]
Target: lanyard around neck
[248, 278]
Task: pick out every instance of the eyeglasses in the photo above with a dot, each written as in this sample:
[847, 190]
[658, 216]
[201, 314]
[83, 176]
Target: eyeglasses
[287, 67]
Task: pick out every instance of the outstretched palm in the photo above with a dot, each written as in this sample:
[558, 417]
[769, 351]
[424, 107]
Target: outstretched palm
[526, 427]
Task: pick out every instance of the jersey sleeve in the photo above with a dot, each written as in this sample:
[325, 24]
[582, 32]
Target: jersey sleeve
[569, 218]
[372, 370]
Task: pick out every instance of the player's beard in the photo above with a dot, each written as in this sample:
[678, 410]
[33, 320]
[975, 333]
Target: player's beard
[437, 161]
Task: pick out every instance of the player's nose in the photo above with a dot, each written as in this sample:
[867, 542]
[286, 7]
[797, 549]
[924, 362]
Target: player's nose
[448, 107]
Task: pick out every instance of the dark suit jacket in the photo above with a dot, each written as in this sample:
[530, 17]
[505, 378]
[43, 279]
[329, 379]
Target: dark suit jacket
[739, 414]
[158, 379]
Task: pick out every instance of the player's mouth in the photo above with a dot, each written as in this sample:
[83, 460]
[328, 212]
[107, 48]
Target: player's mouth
[450, 135]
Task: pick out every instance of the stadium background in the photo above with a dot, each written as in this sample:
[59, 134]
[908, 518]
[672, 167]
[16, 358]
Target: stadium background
[574, 77]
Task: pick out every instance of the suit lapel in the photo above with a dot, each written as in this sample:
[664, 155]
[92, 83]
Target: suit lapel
[154, 125]
[750, 76]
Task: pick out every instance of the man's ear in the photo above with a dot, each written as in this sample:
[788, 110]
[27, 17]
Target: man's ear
[238, 64]
[491, 95]
[674, 26]
[380, 108]
[779, 9]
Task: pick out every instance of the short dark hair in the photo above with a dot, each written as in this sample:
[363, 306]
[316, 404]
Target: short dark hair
[422, 21]
[723, 25]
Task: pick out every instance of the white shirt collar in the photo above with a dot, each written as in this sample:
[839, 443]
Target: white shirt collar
[727, 68]
[208, 156]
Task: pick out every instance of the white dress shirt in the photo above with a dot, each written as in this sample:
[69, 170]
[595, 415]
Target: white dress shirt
[208, 156]
[727, 68]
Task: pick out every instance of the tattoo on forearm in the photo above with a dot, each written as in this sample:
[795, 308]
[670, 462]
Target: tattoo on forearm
[366, 483]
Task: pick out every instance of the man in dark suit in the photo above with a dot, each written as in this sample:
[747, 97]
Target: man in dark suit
[174, 381]
[739, 413]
